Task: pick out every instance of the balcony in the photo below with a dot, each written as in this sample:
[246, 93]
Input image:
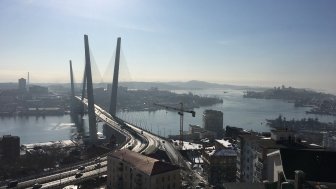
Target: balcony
[238, 174]
[258, 153]
[257, 177]
[138, 179]
[121, 166]
[259, 165]
[238, 166]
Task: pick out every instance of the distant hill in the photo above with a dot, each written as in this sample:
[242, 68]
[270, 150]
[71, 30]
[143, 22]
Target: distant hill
[9, 85]
[148, 85]
[188, 85]
[194, 84]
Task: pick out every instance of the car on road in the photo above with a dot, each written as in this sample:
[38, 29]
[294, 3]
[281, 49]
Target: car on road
[37, 185]
[81, 168]
[79, 174]
[97, 165]
[202, 184]
[12, 183]
[103, 178]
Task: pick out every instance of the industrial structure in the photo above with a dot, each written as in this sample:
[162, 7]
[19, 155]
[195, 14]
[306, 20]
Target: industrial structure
[180, 111]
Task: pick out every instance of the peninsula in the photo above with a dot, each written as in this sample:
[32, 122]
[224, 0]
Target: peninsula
[320, 103]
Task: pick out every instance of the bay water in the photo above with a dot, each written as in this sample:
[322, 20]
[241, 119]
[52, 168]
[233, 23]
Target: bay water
[247, 113]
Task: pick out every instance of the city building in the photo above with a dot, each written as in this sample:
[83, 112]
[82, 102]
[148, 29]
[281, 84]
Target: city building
[213, 121]
[298, 180]
[223, 144]
[9, 147]
[22, 85]
[262, 158]
[130, 170]
[234, 132]
[195, 129]
[329, 140]
[220, 163]
[196, 133]
[252, 153]
[38, 90]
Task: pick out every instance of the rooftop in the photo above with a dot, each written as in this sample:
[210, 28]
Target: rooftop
[147, 165]
[9, 137]
[222, 152]
[225, 143]
[58, 144]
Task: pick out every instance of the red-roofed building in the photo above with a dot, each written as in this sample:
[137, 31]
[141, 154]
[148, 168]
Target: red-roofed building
[131, 170]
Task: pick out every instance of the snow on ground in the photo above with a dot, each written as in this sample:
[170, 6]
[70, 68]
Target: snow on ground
[60, 144]
[189, 145]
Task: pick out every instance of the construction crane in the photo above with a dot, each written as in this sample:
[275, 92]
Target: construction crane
[180, 112]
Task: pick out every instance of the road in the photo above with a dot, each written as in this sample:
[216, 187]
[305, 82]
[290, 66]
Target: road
[141, 143]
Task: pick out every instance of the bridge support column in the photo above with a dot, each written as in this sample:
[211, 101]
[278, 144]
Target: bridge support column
[91, 110]
[72, 95]
[114, 93]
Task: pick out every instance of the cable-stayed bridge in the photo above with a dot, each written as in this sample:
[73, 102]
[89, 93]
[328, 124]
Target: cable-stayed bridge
[134, 138]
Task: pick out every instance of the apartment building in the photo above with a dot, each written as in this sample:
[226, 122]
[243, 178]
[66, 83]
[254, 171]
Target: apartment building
[252, 153]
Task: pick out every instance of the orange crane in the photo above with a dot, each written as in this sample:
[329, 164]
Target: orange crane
[180, 112]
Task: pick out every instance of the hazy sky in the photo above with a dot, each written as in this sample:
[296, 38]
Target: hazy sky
[251, 42]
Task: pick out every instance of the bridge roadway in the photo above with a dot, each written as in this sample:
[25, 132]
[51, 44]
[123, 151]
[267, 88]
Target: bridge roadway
[140, 141]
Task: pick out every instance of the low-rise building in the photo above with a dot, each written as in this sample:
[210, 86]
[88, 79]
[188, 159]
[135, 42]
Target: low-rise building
[130, 170]
[220, 163]
[9, 147]
[196, 133]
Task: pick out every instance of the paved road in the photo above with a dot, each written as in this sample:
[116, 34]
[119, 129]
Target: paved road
[68, 176]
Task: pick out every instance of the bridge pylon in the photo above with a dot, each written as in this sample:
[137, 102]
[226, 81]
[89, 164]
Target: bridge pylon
[114, 93]
[72, 94]
[89, 87]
